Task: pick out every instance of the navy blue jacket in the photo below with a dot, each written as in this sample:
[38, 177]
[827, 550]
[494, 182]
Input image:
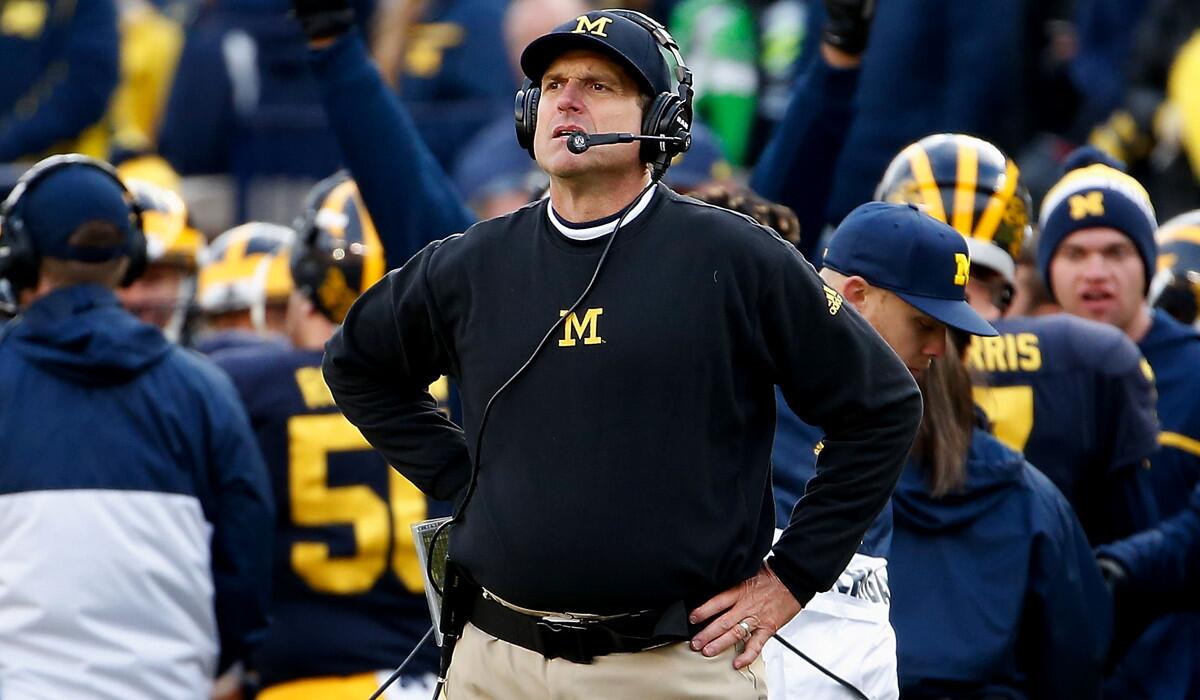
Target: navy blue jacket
[1165, 560]
[1173, 351]
[932, 66]
[126, 411]
[994, 588]
[60, 63]
[797, 166]
[411, 200]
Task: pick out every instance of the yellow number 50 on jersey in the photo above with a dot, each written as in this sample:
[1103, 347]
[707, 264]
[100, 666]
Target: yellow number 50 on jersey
[1010, 411]
[378, 526]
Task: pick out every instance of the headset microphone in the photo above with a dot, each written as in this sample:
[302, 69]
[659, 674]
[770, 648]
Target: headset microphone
[578, 141]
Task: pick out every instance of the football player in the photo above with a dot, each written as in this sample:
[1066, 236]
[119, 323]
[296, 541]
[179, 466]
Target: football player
[348, 594]
[244, 287]
[1076, 397]
[164, 294]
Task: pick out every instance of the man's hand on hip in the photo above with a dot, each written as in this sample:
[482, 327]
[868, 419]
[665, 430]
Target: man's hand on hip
[750, 612]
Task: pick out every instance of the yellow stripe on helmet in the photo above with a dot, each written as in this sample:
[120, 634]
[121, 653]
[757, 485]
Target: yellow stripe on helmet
[374, 263]
[931, 196]
[964, 187]
[997, 203]
[1186, 234]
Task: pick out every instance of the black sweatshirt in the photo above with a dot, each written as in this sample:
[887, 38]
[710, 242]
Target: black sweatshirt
[629, 467]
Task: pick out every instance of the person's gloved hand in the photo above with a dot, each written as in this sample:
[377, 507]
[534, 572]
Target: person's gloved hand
[848, 24]
[323, 19]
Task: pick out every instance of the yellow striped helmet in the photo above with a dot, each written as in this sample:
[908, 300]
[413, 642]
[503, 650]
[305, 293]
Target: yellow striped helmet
[338, 254]
[170, 237]
[246, 267]
[970, 184]
[1176, 287]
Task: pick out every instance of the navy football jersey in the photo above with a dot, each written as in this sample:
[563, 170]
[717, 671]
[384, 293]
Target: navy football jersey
[1078, 399]
[348, 593]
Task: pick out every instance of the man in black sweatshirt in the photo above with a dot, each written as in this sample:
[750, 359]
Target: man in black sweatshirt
[623, 499]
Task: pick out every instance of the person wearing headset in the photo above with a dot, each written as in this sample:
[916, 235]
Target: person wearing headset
[135, 511]
[624, 341]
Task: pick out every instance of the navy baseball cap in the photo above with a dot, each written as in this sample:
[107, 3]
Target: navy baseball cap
[606, 32]
[61, 201]
[923, 261]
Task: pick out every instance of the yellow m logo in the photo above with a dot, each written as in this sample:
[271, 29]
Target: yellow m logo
[1083, 205]
[574, 328]
[962, 266]
[584, 24]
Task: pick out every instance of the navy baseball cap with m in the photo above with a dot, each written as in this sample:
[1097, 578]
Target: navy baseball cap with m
[606, 32]
[923, 261]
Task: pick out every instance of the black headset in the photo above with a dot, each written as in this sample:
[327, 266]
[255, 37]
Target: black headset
[19, 257]
[669, 115]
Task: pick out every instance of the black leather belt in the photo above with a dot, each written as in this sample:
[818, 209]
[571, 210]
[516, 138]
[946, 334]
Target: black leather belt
[581, 640]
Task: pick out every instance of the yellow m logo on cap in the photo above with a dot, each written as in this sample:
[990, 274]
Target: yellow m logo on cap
[962, 265]
[585, 25]
[1084, 205]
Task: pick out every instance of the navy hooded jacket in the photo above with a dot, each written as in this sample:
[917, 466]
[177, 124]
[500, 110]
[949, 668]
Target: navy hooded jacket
[1166, 559]
[1173, 351]
[146, 455]
[994, 588]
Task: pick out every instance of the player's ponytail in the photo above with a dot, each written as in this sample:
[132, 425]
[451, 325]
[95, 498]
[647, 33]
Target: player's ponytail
[945, 433]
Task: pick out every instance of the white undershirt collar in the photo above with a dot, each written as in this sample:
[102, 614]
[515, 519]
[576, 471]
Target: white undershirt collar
[592, 232]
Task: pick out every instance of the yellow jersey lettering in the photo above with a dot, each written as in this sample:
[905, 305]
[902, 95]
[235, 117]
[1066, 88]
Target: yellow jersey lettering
[574, 328]
[975, 354]
[963, 269]
[314, 503]
[379, 524]
[313, 388]
[1085, 205]
[584, 25]
[1010, 350]
[1029, 353]
[993, 354]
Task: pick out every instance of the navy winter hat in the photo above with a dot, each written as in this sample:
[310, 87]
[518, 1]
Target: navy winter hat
[61, 201]
[923, 261]
[1097, 196]
[606, 32]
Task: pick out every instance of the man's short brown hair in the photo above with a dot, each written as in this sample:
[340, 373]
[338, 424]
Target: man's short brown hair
[94, 234]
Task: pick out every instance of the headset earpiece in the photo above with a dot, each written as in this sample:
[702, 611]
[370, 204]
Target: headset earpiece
[139, 256]
[525, 112]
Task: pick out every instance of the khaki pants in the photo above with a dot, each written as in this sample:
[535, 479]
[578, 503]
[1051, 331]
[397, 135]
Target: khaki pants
[486, 668]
